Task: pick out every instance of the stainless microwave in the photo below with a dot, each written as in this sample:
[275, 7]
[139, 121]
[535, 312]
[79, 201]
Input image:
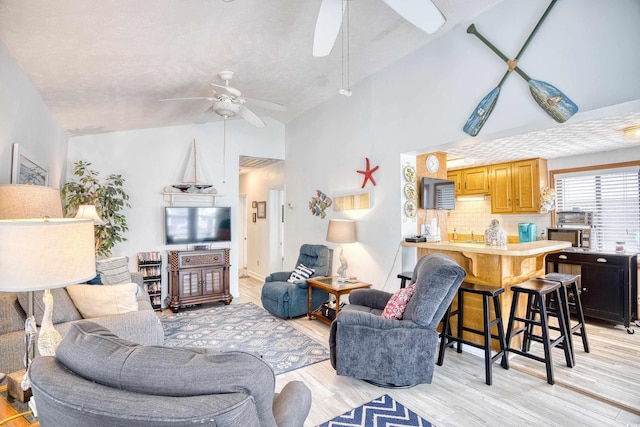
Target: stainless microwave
[578, 237]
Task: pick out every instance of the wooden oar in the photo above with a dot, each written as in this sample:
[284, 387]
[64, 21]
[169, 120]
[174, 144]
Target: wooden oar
[484, 108]
[555, 103]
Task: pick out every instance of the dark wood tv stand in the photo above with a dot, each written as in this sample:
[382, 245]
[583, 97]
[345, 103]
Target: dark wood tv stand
[198, 276]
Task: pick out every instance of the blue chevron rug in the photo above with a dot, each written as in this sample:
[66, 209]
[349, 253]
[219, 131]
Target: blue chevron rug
[380, 412]
[245, 327]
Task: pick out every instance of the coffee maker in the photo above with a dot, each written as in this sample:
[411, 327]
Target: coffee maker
[527, 232]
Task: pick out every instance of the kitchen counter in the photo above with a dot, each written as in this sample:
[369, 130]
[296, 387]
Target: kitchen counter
[502, 266]
[513, 249]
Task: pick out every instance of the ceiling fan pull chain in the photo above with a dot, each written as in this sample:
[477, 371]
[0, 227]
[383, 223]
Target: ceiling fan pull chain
[224, 151]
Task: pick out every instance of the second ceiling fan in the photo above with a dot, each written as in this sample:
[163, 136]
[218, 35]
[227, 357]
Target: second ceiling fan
[228, 102]
[423, 14]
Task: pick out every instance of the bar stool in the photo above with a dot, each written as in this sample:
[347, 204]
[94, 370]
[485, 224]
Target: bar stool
[404, 277]
[537, 291]
[571, 286]
[448, 340]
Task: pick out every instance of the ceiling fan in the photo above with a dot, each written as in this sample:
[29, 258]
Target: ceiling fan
[229, 102]
[423, 14]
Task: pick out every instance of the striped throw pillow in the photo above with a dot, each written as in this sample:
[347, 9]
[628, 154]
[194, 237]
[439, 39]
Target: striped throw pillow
[300, 273]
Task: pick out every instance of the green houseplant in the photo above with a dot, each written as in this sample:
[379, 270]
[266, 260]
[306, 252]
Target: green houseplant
[109, 199]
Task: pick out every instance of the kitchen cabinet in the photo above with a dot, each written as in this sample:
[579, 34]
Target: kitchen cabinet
[515, 187]
[199, 276]
[471, 181]
[608, 283]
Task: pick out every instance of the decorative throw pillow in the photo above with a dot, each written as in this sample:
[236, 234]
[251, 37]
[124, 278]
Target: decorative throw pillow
[96, 301]
[114, 271]
[63, 308]
[397, 304]
[300, 273]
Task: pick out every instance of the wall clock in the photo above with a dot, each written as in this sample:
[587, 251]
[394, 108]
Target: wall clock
[433, 163]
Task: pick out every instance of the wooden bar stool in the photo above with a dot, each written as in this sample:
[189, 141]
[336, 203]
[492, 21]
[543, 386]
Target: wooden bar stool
[404, 278]
[571, 285]
[448, 340]
[536, 315]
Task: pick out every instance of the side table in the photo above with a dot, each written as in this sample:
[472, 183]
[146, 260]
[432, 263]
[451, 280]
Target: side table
[331, 285]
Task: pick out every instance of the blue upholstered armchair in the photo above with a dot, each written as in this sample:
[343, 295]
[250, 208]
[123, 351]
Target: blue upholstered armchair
[289, 299]
[393, 352]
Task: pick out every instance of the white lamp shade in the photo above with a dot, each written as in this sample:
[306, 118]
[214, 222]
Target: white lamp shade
[23, 201]
[341, 231]
[45, 254]
[89, 212]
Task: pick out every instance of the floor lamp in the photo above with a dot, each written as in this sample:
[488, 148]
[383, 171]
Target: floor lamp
[42, 254]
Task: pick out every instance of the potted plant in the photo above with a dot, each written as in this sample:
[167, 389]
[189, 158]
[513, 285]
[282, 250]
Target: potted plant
[109, 199]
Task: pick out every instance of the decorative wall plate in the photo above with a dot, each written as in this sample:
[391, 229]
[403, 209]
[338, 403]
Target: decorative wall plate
[410, 174]
[410, 209]
[410, 191]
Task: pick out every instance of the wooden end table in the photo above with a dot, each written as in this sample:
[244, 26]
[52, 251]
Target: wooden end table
[331, 285]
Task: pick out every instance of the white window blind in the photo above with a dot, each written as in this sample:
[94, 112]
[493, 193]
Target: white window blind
[613, 195]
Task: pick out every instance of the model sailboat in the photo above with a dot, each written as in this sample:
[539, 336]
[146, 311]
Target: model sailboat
[194, 180]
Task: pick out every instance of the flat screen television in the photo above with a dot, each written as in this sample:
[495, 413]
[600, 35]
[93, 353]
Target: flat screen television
[185, 225]
[437, 194]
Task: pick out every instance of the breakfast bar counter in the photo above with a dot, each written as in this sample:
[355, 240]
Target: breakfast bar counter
[501, 266]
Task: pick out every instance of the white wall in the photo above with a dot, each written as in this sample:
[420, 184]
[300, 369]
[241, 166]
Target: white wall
[152, 159]
[25, 119]
[424, 100]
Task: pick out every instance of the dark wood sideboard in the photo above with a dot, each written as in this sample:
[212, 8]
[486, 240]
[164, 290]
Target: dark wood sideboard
[198, 276]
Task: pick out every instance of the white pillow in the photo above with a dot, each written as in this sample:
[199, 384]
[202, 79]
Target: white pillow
[95, 301]
[301, 272]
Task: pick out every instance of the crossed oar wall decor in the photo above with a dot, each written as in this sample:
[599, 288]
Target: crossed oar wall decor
[551, 99]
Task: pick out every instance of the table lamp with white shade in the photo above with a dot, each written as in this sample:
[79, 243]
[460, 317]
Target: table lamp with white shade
[342, 231]
[42, 254]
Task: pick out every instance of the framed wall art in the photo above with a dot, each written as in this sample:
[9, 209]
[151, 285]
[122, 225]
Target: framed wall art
[262, 209]
[26, 169]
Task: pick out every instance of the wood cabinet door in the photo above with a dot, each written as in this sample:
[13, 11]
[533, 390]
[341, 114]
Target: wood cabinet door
[188, 283]
[501, 188]
[475, 181]
[525, 186]
[212, 281]
[456, 177]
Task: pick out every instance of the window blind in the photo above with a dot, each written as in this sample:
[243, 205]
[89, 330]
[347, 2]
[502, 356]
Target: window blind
[613, 195]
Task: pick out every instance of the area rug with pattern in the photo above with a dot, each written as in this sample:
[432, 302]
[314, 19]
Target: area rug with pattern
[380, 412]
[245, 327]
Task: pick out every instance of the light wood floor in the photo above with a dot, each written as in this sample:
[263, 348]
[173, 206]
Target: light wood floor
[602, 390]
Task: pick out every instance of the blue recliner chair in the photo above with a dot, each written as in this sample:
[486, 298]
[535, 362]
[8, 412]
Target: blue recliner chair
[286, 299]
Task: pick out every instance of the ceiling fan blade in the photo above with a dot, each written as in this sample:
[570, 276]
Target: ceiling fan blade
[250, 116]
[327, 27]
[205, 116]
[423, 14]
[263, 104]
[208, 98]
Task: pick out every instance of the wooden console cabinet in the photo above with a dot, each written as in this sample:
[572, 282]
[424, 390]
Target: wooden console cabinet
[198, 276]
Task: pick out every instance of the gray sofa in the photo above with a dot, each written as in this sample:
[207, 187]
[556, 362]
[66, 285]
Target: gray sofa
[392, 352]
[142, 326]
[97, 379]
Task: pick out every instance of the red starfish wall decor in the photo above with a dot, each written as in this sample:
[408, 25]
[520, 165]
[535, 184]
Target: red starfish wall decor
[368, 174]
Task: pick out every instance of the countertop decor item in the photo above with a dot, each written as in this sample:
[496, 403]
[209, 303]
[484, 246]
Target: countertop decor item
[495, 235]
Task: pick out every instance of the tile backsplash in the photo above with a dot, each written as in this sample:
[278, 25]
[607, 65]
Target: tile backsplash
[475, 216]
